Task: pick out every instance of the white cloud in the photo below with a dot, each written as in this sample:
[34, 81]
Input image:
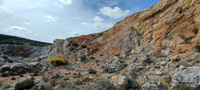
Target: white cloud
[60, 5]
[97, 23]
[50, 18]
[27, 23]
[65, 2]
[75, 33]
[98, 19]
[17, 30]
[5, 10]
[114, 13]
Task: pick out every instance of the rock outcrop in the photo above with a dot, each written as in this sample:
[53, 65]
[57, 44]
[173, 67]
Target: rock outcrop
[21, 53]
[170, 27]
[190, 77]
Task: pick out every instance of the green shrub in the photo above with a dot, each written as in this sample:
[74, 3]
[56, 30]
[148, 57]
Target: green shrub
[26, 84]
[71, 48]
[100, 34]
[195, 30]
[43, 87]
[134, 72]
[75, 44]
[56, 76]
[82, 56]
[53, 83]
[36, 72]
[13, 78]
[6, 87]
[121, 66]
[83, 46]
[198, 47]
[92, 71]
[78, 82]
[104, 85]
[4, 75]
[21, 75]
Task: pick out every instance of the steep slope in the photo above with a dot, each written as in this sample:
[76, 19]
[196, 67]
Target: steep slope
[170, 27]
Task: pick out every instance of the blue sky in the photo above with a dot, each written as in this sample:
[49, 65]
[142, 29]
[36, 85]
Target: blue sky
[47, 20]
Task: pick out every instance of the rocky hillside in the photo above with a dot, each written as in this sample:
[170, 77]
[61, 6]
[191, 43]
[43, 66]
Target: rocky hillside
[170, 27]
[155, 49]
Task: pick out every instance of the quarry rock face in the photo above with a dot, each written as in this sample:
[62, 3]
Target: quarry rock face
[158, 41]
[170, 27]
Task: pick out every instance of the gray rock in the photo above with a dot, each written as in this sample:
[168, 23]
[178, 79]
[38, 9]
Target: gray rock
[190, 76]
[39, 83]
[163, 63]
[5, 68]
[153, 85]
[150, 85]
[122, 80]
[33, 64]
[159, 73]
[17, 66]
[2, 59]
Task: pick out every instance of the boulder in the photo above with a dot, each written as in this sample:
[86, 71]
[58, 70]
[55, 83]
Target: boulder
[175, 58]
[39, 83]
[17, 67]
[33, 64]
[120, 80]
[5, 68]
[189, 77]
[154, 85]
[150, 86]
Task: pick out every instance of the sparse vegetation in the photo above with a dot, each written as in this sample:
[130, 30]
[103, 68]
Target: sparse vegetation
[58, 61]
[75, 44]
[36, 72]
[83, 46]
[121, 66]
[100, 84]
[183, 87]
[82, 56]
[71, 48]
[26, 84]
[13, 78]
[134, 72]
[78, 82]
[104, 85]
[21, 75]
[6, 87]
[92, 71]
[100, 34]
[198, 47]
[56, 76]
[53, 83]
[43, 87]
[108, 69]
[4, 75]
[195, 30]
